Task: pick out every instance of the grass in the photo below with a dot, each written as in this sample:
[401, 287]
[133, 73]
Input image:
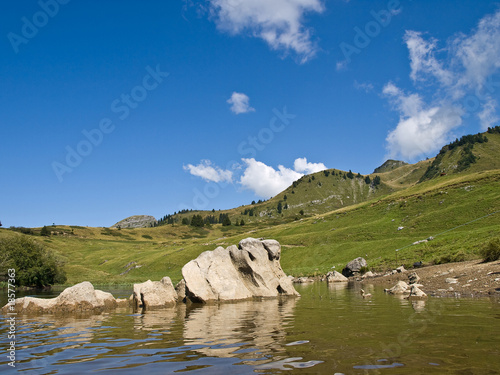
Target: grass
[344, 219]
[311, 245]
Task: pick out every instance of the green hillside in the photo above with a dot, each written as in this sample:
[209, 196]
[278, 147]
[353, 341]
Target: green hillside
[343, 218]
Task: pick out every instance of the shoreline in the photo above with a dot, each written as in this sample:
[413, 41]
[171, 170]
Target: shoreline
[468, 279]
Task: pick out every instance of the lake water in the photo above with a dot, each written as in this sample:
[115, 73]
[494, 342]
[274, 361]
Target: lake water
[330, 329]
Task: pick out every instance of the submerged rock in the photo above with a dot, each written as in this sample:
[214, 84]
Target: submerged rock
[250, 270]
[81, 297]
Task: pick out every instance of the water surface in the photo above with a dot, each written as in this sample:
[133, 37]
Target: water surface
[330, 329]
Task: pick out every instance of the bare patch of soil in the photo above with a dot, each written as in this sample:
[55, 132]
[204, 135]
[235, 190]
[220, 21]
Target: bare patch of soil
[463, 279]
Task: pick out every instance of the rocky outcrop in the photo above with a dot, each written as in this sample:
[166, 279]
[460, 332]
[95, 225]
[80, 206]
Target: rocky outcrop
[154, 294]
[78, 298]
[335, 277]
[251, 269]
[354, 267]
[137, 221]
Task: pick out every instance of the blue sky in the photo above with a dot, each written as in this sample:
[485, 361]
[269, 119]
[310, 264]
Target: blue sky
[116, 108]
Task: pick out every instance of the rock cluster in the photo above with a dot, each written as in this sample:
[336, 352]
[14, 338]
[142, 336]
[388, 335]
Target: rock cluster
[248, 271]
[408, 291]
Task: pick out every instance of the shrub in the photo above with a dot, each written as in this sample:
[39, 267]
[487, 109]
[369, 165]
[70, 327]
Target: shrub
[147, 236]
[364, 270]
[34, 265]
[491, 251]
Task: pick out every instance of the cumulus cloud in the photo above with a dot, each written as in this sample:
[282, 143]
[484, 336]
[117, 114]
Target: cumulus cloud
[209, 172]
[301, 165]
[421, 129]
[278, 22]
[240, 103]
[460, 73]
[265, 181]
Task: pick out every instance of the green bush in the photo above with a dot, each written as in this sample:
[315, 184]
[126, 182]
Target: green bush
[34, 265]
[491, 252]
[147, 236]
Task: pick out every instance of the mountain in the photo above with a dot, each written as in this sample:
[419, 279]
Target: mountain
[136, 221]
[331, 218]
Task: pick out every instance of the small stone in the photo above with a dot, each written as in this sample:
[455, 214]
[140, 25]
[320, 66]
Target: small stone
[451, 280]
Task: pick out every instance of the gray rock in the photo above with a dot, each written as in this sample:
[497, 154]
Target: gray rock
[335, 277]
[400, 269]
[180, 288]
[399, 289]
[413, 278]
[136, 221]
[415, 292]
[451, 280]
[250, 270]
[354, 266]
[81, 297]
[368, 275]
[154, 294]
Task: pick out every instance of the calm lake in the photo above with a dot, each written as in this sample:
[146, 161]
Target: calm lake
[330, 329]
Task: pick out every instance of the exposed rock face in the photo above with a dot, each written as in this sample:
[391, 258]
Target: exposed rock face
[389, 165]
[354, 266]
[137, 221]
[78, 298]
[250, 270]
[335, 277]
[154, 294]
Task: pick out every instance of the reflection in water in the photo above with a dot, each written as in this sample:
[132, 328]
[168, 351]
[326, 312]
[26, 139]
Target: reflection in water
[222, 330]
[331, 328]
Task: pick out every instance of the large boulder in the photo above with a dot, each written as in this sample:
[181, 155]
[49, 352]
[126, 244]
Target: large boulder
[250, 270]
[154, 294]
[335, 277]
[78, 298]
[354, 267]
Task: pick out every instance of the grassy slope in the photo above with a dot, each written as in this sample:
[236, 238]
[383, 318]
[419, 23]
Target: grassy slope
[330, 234]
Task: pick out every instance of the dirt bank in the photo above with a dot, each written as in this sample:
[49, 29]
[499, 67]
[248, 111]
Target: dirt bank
[464, 279]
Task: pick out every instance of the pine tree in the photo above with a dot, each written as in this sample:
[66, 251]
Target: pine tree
[242, 222]
[226, 221]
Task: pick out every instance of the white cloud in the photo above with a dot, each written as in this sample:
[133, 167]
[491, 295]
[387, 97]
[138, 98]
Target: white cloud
[421, 129]
[208, 172]
[278, 22]
[479, 53]
[301, 165]
[460, 71]
[240, 103]
[366, 87]
[423, 60]
[266, 182]
[488, 116]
